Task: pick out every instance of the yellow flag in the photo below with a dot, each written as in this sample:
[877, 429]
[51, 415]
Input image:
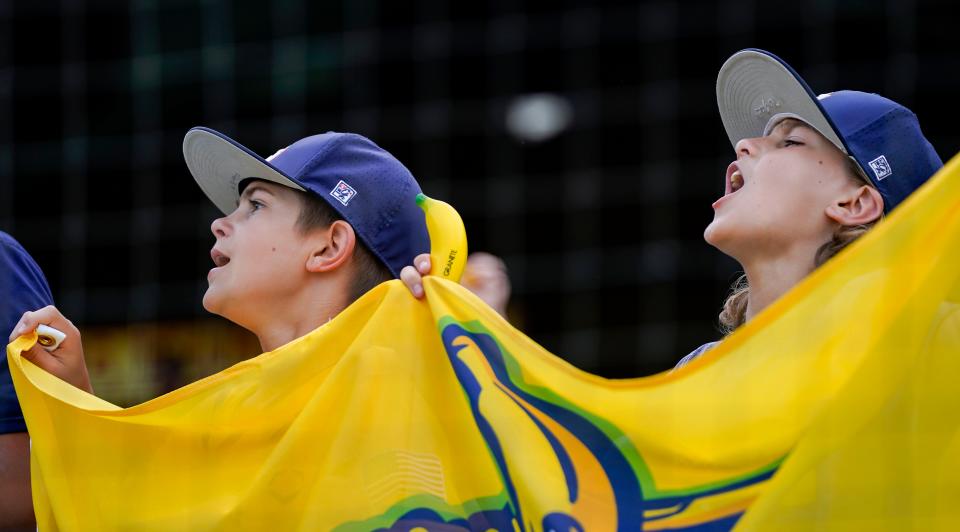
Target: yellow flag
[836, 408]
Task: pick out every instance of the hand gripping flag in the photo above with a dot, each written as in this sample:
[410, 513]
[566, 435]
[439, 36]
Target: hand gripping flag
[836, 408]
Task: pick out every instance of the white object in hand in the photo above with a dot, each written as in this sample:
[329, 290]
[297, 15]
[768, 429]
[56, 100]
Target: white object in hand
[48, 337]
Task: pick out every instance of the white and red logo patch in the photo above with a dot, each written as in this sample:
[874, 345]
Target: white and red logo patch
[881, 168]
[343, 192]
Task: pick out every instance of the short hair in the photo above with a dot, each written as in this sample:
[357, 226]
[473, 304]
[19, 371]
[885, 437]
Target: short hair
[369, 271]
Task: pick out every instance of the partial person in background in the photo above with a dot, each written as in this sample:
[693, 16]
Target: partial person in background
[22, 287]
[486, 276]
[812, 174]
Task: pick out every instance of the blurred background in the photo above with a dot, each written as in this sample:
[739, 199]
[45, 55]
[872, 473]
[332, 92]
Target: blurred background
[580, 142]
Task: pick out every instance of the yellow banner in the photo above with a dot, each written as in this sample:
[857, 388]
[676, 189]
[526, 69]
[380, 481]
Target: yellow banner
[836, 408]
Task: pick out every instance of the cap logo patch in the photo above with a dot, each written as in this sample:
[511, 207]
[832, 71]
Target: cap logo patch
[343, 192]
[766, 106]
[881, 168]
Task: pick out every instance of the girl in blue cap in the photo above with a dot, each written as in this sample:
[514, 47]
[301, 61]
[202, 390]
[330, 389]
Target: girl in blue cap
[812, 173]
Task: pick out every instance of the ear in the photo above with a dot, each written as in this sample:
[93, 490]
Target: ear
[859, 206]
[333, 249]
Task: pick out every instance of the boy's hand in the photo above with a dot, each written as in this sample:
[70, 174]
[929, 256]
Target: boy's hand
[412, 276]
[485, 275]
[66, 361]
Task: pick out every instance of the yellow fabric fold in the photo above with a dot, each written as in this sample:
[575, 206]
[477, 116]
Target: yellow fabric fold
[833, 409]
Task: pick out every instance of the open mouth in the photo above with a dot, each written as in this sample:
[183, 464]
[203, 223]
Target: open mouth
[219, 259]
[734, 179]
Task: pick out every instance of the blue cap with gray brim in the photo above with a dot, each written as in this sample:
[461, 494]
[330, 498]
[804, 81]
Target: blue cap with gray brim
[756, 89]
[366, 185]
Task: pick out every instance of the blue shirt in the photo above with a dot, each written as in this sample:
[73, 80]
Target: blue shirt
[694, 354]
[22, 288]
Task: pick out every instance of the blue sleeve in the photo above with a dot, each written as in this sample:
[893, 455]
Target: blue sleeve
[23, 287]
[694, 355]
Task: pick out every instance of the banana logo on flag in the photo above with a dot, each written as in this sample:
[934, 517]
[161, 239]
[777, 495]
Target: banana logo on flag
[560, 463]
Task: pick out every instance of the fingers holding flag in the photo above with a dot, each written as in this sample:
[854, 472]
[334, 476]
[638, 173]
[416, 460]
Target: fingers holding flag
[485, 275]
[66, 360]
[412, 276]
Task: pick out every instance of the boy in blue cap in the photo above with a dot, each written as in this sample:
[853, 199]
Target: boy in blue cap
[305, 233]
[356, 226]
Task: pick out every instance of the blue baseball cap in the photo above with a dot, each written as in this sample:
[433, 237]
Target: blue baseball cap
[756, 89]
[366, 185]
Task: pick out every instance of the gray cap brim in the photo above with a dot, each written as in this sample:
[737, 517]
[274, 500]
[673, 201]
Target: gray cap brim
[755, 87]
[219, 164]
